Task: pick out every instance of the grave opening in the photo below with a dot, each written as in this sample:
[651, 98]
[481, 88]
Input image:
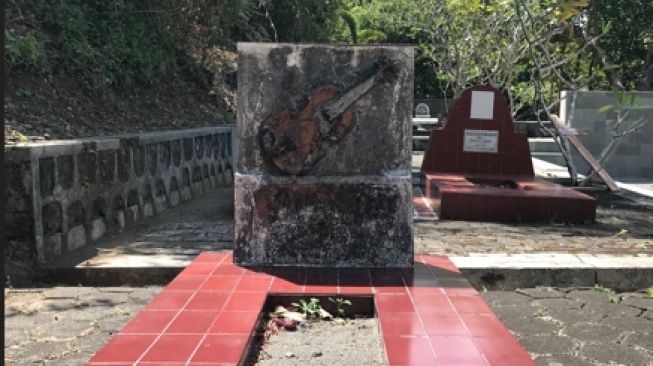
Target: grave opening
[352, 337]
[494, 183]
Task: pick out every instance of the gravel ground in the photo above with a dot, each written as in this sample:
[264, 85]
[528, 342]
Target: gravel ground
[355, 342]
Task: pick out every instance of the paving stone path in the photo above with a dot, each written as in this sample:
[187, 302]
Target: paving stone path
[557, 326]
[66, 325]
[578, 326]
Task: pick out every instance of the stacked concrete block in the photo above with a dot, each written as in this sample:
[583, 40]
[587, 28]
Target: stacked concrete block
[633, 159]
[63, 195]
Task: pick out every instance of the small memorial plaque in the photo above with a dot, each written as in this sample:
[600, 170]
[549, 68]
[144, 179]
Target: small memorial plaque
[482, 105]
[422, 110]
[483, 141]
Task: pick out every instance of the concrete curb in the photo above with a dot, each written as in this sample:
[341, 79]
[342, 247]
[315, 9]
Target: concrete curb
[490, 271]
[511, 271]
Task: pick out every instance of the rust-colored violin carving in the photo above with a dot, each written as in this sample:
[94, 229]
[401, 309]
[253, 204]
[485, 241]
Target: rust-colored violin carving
[295, 143]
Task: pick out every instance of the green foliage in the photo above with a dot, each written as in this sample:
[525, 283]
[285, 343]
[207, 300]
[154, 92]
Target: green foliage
[24, 52]
[303, 20]
[107, 42]
[341, 304]
[612, 296]
[649, 292]
[117, 42]
[309, 308]
[458, 42]
[627, 39]
[540, 313]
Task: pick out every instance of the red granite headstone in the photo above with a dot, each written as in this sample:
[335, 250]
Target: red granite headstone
[477, 144]
[478, 168]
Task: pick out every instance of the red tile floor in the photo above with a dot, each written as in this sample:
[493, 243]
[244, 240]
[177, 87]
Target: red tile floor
[428, 314]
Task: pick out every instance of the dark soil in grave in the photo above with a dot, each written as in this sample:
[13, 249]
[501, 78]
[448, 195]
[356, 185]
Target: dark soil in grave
[353, 342]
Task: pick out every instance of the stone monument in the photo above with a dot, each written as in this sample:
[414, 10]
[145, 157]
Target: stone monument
[323, 174]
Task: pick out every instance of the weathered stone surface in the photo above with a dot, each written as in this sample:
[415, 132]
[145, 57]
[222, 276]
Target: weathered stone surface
[280, 78]
[562, 360]
[325, 222]
[47, 174]
[548, 344]
[323, 172]
[598, 333]
[615, 354]
[65, 194]
[531, 325]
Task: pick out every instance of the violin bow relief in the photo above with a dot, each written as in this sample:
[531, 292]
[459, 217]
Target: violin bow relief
[295, 144]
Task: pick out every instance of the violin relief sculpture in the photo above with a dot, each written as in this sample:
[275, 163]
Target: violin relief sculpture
[295, 142]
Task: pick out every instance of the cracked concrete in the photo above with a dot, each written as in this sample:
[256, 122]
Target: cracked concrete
[578, 326]
[66, 325]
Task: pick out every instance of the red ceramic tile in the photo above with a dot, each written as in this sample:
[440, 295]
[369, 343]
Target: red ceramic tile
[288, 280]
[173, 348]
[395, 324]
[170, 300]
[228, 270]
[354, 281]
[393, 303]
[124, 348]
[470, 304]
[221, 348]
[388, 280]
[452, 287]
[443, 324]
[481, 325]
[427, 302]
[199, 268]
[456, 351]
[229, 314]
[208, 300]
[147, 321]
[445, 272]
[220, 283]
[425, 290]
[186, 282]
[503, 350]
[214, 257]
[254, 283]
[402, 350]
[321, 281]
[419, 276]
[193, 321]
[235, 322]
[246, 301]
[437, 260]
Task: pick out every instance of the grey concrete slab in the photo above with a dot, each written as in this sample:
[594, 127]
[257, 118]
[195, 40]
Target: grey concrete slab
[578, 326]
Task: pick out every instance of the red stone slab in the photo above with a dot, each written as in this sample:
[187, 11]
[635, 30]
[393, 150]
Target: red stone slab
[469, 184]
[428, 314]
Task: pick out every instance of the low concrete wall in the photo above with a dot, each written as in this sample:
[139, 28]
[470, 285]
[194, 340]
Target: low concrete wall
[634, 157]
[63, 195]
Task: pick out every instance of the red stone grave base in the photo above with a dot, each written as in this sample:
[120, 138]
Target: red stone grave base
[506, 198]
[428, 314]
[485, 185]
